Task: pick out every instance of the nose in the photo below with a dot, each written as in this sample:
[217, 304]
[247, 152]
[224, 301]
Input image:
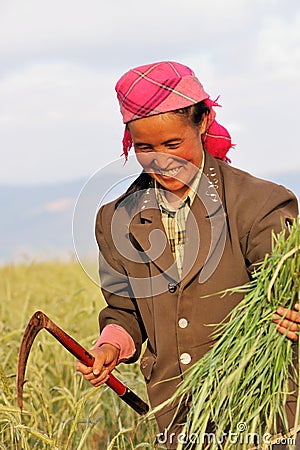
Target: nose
[161, 160]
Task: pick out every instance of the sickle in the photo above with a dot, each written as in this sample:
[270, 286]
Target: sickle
[38, 321]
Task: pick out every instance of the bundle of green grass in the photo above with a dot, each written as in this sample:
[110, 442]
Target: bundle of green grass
[241, 384]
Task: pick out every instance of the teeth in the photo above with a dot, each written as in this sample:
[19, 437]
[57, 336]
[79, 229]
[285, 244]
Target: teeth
[169, 173]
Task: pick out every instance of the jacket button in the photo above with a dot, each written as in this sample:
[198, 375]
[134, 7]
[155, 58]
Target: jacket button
[172, 287]
[185, 358]
[183, 323]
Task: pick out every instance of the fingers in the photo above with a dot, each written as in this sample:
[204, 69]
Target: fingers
[106, 358]
[290, 314]
[96, 376]
[288, 322]
[97, 379]
[289, 334]
[80, 367]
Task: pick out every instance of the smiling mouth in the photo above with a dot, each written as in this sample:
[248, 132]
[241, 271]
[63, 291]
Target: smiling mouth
[170, 172]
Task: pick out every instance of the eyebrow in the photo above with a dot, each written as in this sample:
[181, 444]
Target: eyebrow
[140, 144]
[169, 141]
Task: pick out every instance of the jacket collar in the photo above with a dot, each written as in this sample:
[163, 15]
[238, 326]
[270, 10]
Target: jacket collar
[147, 229]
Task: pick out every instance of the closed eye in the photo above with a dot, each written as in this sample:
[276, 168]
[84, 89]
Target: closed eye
[173, 145]
[143, 147]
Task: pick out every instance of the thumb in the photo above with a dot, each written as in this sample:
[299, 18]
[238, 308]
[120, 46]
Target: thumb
[99, 361]
[106, 358]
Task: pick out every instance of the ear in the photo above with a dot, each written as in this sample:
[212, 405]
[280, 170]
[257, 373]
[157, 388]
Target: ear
[203, 124]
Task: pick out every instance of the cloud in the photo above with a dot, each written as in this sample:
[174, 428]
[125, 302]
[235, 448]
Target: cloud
[59, 117]
[56, 120]
[55, 92]
[117, 33]
[279, 48]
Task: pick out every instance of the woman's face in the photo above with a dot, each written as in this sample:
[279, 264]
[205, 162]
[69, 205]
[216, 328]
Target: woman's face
[169, 148]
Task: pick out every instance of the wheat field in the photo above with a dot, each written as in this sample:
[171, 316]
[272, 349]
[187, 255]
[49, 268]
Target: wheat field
[60, 409]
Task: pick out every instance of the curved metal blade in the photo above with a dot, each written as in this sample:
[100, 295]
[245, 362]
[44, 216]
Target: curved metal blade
[37, 322]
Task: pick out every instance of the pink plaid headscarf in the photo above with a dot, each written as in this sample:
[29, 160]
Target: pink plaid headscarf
[163, 87]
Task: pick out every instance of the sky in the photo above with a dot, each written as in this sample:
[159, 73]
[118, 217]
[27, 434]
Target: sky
[60, 60]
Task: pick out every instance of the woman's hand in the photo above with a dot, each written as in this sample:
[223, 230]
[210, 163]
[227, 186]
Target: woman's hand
[288, 321]
[106, 358]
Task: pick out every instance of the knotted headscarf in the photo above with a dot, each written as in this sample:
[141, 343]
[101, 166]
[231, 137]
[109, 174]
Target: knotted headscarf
[163, 87]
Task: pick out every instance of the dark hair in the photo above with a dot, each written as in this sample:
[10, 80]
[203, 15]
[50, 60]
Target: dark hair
[194, 112]
[144, 181]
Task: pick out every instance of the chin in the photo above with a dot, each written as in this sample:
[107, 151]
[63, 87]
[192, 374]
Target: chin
[176, 188]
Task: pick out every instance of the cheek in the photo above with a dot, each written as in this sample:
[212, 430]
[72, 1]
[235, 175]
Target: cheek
[189, 152]
[193, 155]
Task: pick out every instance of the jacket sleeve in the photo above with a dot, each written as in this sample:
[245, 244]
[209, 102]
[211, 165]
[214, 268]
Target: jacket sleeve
[278, 209]
[121, 307]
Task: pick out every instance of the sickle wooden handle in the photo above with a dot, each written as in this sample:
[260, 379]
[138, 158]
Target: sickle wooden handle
[40, 321]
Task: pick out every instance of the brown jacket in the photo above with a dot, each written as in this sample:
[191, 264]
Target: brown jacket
[228, 231]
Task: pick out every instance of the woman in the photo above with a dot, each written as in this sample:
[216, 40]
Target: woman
[189, 226]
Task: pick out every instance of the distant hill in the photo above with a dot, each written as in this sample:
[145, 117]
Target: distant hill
[36, 221]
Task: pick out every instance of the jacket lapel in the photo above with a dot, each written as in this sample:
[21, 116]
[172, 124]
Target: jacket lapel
[206, 226]
[147, 229]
